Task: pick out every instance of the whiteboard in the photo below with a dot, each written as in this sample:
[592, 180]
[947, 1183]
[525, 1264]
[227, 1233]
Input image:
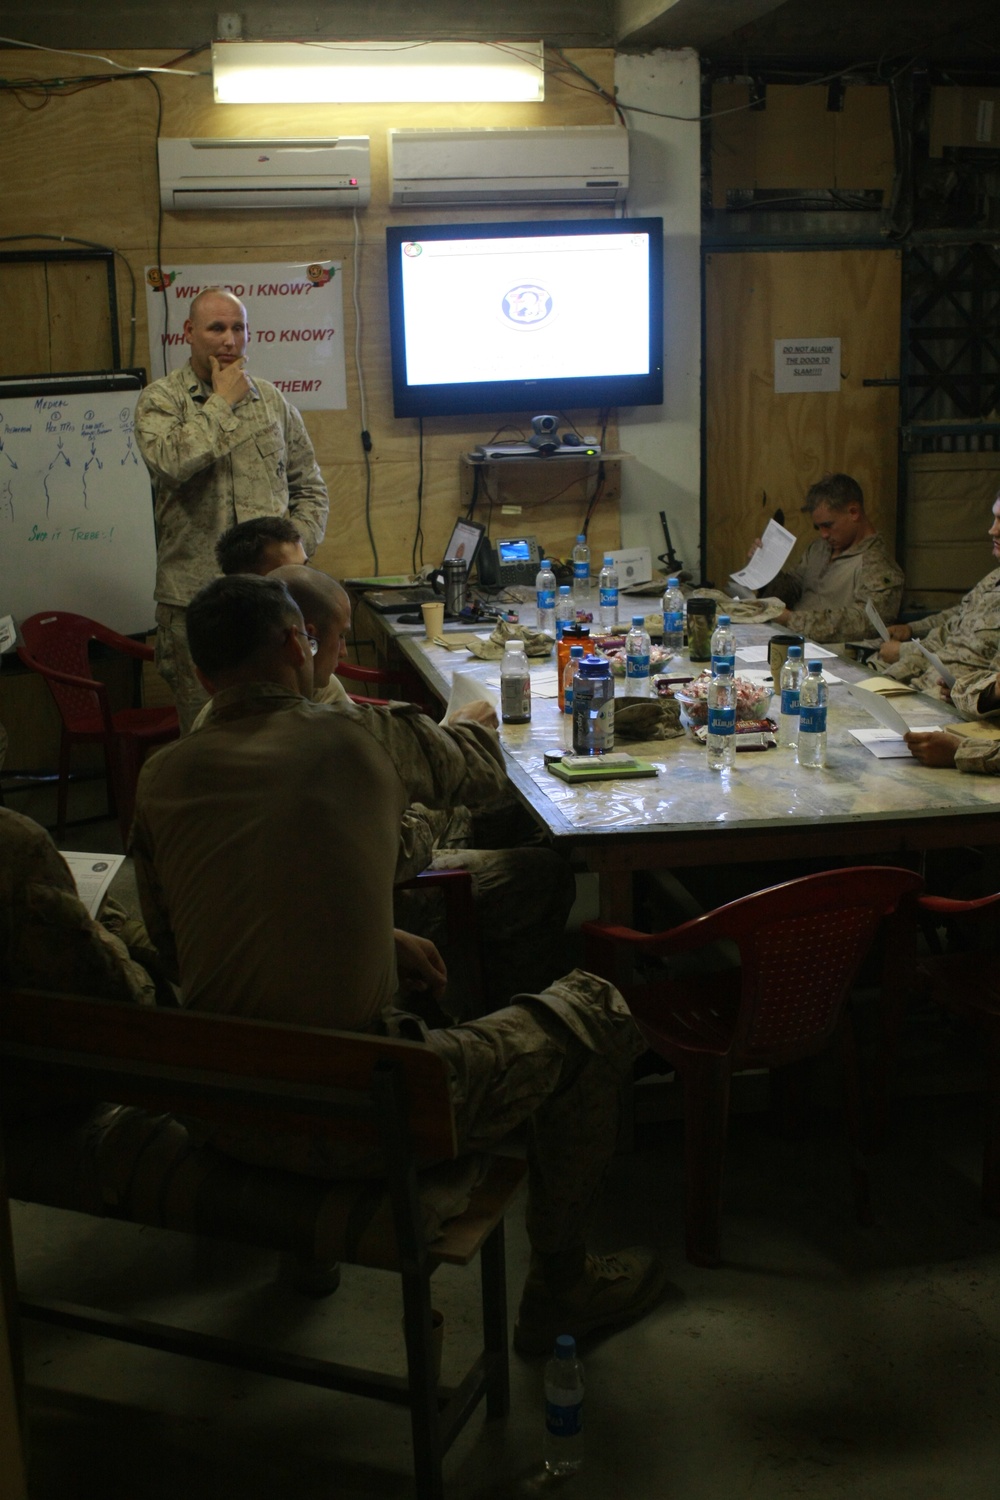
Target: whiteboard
[76, 509]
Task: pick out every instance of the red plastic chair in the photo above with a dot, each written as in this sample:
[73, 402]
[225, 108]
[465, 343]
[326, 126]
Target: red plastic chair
[55, 646]
[351, 673]
[800, 947]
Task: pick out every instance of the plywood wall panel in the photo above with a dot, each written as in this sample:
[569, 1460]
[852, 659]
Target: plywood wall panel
[86, 165]
[764, 450]
[797, 142]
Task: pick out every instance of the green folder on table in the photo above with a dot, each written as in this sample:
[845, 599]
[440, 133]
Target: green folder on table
[595, 770]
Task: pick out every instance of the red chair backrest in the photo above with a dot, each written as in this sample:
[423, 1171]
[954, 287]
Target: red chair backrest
[801, 945]
[59, 640]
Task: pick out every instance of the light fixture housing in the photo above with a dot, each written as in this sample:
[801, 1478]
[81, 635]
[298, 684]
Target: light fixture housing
[378, 72]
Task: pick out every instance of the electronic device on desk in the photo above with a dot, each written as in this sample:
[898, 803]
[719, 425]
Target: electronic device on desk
[464, 543]
[518, 559]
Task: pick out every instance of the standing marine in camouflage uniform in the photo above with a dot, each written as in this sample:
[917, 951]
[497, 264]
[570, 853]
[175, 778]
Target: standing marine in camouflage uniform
[837, 576]
[274, 882]
[220, 448]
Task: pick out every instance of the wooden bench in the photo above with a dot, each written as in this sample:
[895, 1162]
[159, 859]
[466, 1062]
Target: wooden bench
[135, 1161]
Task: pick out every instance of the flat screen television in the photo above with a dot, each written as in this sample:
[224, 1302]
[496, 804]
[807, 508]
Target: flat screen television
[528, 317]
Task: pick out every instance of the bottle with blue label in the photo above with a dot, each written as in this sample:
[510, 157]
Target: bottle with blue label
[565, 609]
[723, 646]
[593, 707]
[811, 748]
[569, 677]
[545, 597]
[673, 618]
[721, 740]
[637, 645]
[608, 593]
[790, 686]
[581, 571]
[563, 1409]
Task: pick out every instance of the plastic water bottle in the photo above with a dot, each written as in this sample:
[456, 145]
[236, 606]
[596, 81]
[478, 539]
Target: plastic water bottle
[565, 609]
[811, 748]
[722, 720]
[673, 618]
[637, 660]
[608, 589]
[564, 1409]
[581, 571]
[569, 675]
[515, 685]
[723, 646]
[790, 685]
[545, 597]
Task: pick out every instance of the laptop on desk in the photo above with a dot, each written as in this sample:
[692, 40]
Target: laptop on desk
[399, 596]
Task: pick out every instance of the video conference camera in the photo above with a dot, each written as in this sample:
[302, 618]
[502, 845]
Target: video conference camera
[544, 434]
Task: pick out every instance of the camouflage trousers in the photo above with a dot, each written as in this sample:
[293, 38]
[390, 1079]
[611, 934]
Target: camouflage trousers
[174, 664]
[555, 1062]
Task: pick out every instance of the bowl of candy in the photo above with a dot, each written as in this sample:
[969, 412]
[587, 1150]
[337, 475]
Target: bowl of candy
[658, 658]
[752, 700]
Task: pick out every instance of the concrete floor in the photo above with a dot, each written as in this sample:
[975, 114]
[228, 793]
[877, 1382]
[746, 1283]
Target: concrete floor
[820, 1359]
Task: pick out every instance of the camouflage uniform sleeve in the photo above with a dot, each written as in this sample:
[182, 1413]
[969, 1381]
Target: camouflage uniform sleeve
[179, 439]
[879, 580]
[308, 501]
[787, 587]
[979, 757]
[969, 686]
[440, 765]
[920, 629]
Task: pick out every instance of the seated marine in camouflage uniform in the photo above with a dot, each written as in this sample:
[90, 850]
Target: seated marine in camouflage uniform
[966, 640]
[266, 845]
[48, 940]
[839, 574]
[523, 893]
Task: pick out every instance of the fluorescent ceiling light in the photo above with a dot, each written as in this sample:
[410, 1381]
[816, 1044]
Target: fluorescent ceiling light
[378, 72]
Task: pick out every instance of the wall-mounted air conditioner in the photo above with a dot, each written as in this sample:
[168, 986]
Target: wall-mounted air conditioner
[561, 164]
[325, 172]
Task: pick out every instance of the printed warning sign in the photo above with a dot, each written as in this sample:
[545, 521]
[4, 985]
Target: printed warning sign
[806, 365]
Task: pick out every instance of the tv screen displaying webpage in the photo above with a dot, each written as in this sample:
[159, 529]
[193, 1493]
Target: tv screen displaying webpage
[525, 316]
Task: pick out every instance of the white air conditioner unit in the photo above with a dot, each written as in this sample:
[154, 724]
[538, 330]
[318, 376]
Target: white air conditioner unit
[325, 172]
[560, 164]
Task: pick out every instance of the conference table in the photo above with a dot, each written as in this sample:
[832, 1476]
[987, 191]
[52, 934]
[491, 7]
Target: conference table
[859, 807]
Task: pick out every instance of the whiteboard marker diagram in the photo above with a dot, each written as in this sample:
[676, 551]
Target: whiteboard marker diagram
[76, 523]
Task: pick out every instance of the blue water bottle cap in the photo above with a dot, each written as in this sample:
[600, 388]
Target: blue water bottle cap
[795, 651]
[815, 666]
[637, 620]
[565, 1346]
[723, 619]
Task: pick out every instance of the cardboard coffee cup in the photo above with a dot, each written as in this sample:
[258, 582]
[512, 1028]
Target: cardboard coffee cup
[777, 650]
[433, 619]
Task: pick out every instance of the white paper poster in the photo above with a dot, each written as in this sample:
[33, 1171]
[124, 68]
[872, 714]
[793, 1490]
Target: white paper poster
[295, 315]
[806, 365]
